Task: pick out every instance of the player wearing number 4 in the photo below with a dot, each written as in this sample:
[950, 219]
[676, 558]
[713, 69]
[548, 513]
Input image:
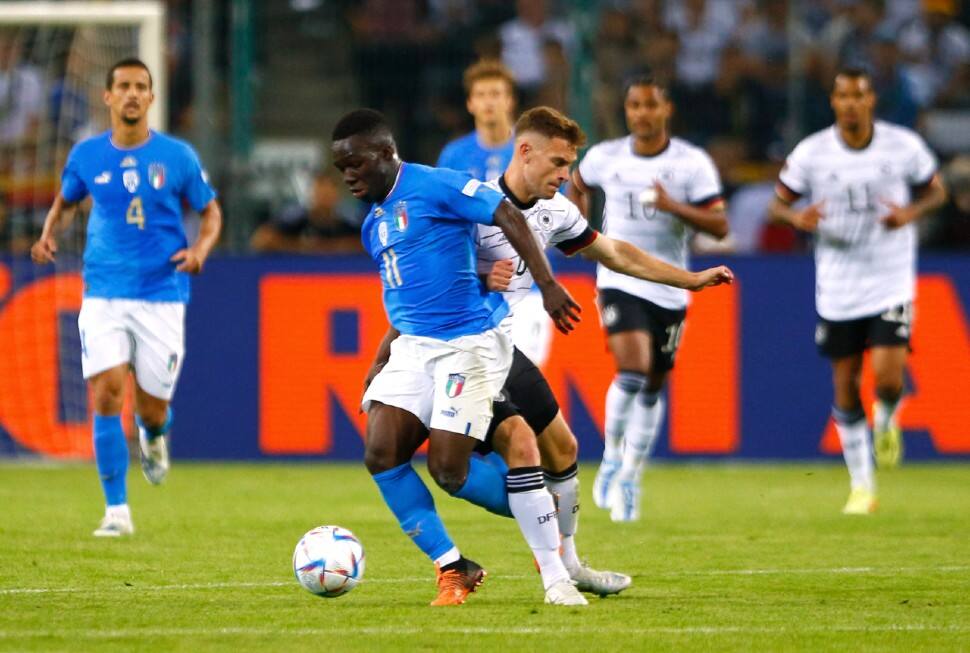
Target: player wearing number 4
[867, 182]
[135, 283]
[659, 191]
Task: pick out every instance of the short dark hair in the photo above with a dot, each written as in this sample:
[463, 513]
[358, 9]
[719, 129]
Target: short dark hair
[852, 72]
[360, 121]
[127, 62]
[644, 79]
[551, 124]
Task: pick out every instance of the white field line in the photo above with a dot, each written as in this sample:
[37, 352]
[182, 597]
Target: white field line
[419, 579]
[345, 629]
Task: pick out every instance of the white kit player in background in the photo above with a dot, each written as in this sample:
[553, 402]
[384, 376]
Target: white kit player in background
[867, 182]
[660, 191]
[135, 284]
[545, 148]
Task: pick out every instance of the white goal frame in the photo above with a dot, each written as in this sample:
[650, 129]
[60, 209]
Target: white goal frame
[147, 15]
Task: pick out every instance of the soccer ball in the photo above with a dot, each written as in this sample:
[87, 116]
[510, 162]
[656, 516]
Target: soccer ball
[329, 561]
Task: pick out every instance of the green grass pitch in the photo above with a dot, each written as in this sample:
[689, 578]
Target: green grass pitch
[727, 557]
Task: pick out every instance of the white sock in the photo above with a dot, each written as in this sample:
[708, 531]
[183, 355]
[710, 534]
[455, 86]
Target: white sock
[448, 557]
[619, 401]
[121, 510]
[884, 414]
[535, 512]
[641, 434]
[565, 485]
[856, 447]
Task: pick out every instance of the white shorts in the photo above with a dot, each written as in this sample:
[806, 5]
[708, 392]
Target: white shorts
[447, 384]
[150, 336]
[530, 327]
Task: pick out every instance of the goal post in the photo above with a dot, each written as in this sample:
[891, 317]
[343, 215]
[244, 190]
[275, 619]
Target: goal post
[147, 16]
[54, 59]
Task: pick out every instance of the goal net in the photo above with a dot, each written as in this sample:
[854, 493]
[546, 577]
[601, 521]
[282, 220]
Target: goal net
[53, 60]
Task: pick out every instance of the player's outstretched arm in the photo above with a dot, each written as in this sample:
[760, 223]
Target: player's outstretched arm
[712, 220]
[193, 258]
[562, 308]
[45, 249]
[620, 256]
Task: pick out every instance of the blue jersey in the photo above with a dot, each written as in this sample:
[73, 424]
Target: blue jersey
[423, 238]
[136, 220]
[469, 155]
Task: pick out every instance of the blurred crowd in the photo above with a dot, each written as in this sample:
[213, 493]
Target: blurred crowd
[748, 79]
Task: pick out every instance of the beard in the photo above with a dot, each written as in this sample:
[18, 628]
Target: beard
[131, 122]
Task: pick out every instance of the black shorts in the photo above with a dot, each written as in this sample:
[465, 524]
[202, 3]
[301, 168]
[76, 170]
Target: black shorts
[838, 339]
[621, 311]
[527, 393]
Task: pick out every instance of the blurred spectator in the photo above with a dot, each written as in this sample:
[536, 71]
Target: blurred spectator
[868, 16]
[391, 39]
[703, 29]
[894, 89]
[21, 92]
[554, 90]
[937, 49]
[326, 225]
[613, 50]
[523, 40]
[950, 229]
[755, 71]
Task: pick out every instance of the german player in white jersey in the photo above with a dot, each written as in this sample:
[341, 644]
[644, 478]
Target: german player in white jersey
[660, 191]
[867, 182]
[545, 148]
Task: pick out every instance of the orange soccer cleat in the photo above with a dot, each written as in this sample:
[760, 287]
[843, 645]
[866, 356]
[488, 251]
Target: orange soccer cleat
[457, 582]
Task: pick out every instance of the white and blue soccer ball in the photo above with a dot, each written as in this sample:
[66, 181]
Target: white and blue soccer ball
[329, 561]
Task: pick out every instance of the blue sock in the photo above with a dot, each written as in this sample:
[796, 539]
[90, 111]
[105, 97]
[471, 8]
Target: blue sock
[111, 455]
[485, 487]
[497, 462]
[155, 432]
[408, 498]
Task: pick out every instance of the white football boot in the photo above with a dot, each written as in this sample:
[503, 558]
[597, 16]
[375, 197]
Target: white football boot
[599, 582]
[116, 522]
[624, 501]
[564, 592]
[603, 482]
[154, 456]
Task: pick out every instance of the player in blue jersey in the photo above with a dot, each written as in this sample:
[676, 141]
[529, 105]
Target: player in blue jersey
[485, 152]
[450, 360]
[135, 275]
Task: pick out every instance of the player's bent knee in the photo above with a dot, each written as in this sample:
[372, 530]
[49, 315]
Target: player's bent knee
[449, 478]
[381, 455]
[521, 448]
[889, 391]
[558, 448]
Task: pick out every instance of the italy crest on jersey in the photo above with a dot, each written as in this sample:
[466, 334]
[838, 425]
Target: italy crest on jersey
[130, 179]
[401, 215]
[156, 175]
[455, 384]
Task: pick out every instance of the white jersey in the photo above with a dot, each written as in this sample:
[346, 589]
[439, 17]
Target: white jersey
[687, 174]
[861, 267]
[555, 221]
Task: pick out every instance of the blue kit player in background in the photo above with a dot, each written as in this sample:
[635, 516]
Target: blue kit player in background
[135, 282]
[450, 360]
[485, 152]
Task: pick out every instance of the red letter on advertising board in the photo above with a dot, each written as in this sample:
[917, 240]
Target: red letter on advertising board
[300, 367]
